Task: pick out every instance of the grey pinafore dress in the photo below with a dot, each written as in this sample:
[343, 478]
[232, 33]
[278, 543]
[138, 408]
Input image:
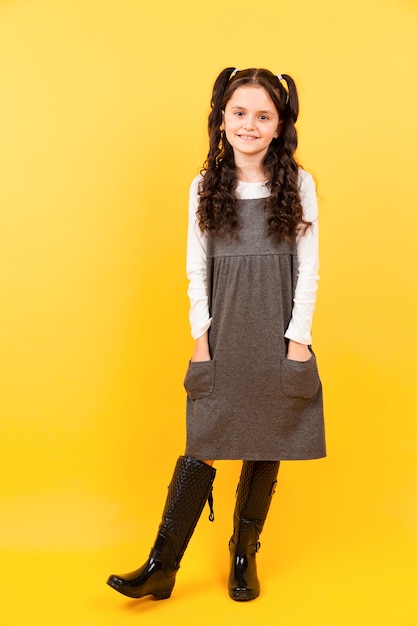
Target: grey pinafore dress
[250, 402]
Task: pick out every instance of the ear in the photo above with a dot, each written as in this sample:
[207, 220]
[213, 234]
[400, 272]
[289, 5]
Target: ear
[222, 124]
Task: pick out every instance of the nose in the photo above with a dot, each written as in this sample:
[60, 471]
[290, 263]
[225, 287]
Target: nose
[249, 123]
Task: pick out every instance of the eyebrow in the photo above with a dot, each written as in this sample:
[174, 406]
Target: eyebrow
[243, 109]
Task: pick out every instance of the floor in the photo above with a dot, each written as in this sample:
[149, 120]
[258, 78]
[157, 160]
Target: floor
[315, 571]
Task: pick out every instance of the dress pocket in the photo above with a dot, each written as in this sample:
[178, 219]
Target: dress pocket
[299, 379]
[199, 379]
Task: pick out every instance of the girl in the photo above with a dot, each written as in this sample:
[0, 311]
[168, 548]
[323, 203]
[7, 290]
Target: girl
[253, 389]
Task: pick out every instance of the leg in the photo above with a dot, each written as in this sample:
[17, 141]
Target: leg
[254, 493]
[188, 492]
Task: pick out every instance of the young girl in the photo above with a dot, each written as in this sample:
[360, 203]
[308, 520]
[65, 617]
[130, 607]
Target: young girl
[253, 389]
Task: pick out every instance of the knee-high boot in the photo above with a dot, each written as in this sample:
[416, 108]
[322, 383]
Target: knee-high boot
[253, 498]
[188, 492]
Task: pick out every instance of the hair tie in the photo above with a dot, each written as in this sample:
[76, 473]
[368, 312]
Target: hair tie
[285, 85]
[233, 74]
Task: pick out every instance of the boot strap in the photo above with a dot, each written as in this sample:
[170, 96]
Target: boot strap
[252, 548]
[165, 559]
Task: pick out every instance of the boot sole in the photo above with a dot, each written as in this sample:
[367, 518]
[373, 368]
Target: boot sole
[158, 595]
[243, 596]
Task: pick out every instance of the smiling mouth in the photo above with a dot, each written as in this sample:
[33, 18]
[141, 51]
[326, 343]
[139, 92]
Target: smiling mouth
[247, 137]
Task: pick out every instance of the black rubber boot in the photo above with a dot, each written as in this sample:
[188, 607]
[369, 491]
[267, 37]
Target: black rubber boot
[188, 492]
[254, 493]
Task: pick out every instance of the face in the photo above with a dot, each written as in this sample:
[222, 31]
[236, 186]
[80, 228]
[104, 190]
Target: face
[250, 122]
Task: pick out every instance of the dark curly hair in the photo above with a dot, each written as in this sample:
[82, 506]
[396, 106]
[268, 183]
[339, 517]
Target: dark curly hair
[217, 211]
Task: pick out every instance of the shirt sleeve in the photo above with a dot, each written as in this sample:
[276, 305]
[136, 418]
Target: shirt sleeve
[197, 268]
[299, 328]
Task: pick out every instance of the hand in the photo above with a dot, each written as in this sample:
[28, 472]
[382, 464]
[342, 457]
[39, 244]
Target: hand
[201, 349]
[298, 351]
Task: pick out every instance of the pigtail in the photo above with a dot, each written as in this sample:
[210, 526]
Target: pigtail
[219, 89]
[293, 107]
[215, 117]
[288, 141]
[285, 212]
[217, 203]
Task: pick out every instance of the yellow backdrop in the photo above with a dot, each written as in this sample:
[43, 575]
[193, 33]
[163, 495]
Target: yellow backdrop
[103, 109]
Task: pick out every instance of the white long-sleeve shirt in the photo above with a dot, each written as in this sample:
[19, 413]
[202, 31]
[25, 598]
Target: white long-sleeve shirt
[299, 328]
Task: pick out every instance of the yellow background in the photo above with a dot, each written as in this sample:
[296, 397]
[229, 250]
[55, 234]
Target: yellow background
[103, 109]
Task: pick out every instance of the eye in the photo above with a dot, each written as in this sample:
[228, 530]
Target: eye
[264, 117]
[239, 113]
